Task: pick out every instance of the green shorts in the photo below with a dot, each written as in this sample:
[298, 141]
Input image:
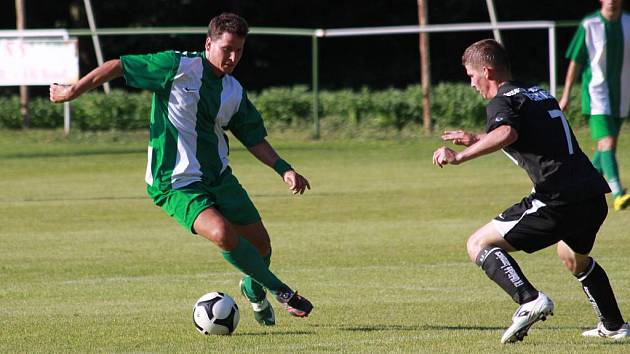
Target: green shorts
[602, 126]
[226, 195]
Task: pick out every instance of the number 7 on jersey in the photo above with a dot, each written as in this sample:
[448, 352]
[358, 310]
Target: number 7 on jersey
[556, 113]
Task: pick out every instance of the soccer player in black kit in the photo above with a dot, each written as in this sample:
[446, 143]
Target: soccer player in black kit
[566, 207]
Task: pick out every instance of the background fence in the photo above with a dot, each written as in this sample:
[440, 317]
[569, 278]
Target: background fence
[316, 35]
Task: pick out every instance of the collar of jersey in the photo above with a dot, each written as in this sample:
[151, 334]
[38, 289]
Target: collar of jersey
[207, 68]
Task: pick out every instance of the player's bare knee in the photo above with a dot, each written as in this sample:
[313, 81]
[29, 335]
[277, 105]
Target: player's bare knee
[222, 236]
[570, 264]
[606, 143]
[473, 246]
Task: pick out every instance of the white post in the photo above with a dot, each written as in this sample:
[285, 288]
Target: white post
[66, 118]
[95, 41]
[552, 59]
[493, 20]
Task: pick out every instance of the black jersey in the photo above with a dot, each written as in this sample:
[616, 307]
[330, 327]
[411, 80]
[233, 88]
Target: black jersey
[546, 147]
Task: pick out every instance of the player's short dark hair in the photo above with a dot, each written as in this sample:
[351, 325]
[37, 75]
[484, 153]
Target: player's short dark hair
[227, 22]
[487, 52]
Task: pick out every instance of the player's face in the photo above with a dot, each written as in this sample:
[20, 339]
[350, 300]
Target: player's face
[479, 80]
[612, 6]
[224, 52]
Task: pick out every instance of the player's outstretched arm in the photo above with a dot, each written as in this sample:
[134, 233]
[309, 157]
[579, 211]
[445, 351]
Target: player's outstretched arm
[108, 71]
[572, 72]
[488, 143]
[264, 152]
[460, 137]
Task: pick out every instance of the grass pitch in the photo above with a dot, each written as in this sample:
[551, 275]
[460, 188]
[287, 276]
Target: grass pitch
[88, 264]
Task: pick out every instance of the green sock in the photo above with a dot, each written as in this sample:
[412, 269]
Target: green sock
[252, 289]
[611, 171]
[246, 258]
[597, 162]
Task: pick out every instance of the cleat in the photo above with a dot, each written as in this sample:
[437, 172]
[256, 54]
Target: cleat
[263, 312]
[621, 202]
[525, 316]
[295, 304]
[601, 331]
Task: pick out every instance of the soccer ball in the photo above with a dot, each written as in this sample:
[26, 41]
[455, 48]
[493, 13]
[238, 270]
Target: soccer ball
[215, 313]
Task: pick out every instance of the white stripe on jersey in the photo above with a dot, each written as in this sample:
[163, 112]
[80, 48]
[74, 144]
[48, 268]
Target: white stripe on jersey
[182, 113]
[596, 45]
[503, 227]
[231, 98]
[510, 156]
[148, 176]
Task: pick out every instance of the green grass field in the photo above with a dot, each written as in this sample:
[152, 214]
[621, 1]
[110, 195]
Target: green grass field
[88, 264]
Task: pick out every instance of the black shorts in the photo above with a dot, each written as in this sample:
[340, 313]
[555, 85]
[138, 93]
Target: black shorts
[531, 225]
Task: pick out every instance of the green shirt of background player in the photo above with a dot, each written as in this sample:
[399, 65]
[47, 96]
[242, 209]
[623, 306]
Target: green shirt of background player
[195, 99]
[601, 53]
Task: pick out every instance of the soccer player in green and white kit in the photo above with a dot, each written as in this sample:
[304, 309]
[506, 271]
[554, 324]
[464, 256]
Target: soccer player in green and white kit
[195, 100]
[600, 48]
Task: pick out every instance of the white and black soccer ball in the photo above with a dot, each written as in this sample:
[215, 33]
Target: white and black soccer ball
[215, 313]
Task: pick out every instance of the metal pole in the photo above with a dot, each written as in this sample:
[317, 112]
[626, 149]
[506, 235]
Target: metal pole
[493, 20]
[315, 78]
[66, 118]
[20, 24]
[66, 105]
[95, 41]
[425, 63]
[552, 59]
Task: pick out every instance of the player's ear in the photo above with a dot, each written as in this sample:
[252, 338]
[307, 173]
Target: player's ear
[489, 73]
[208, 42]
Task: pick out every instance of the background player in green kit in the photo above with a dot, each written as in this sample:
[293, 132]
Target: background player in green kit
[601, 52]
[195, 100]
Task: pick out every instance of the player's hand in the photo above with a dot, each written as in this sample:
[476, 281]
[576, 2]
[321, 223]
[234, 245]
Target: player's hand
[60, 93]
[459, 137]
[444, 156]
[296, 182]
[564, 104]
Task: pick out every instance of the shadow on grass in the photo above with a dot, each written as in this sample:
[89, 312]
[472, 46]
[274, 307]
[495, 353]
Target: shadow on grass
[383, 327]
[276, 333]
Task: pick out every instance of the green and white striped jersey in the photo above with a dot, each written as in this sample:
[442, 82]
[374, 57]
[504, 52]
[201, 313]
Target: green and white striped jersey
[602, 47]
[191, 110]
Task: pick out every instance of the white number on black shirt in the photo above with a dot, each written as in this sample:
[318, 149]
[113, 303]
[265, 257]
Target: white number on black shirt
[556, 113]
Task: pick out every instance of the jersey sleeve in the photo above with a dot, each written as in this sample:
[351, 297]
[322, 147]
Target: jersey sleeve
[247, 124]
[577, 50]
[151, 72]
[500, 111]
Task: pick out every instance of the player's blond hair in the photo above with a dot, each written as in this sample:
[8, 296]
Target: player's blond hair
[487, 52]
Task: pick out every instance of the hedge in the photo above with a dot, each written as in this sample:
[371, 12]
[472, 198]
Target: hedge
[452, 105]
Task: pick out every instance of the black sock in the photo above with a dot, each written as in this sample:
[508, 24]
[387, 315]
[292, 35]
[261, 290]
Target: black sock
[503, 270]
[597, 288]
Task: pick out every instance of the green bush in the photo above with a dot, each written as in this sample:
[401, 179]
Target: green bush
[452, 105]
[118, 110]
[44, 114]
[354, 107]
[395, 108]
[288, 106]
[457, 105]
[10, 113]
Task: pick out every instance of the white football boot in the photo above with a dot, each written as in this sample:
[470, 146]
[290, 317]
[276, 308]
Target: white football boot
[525, 316]
[601, 331]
